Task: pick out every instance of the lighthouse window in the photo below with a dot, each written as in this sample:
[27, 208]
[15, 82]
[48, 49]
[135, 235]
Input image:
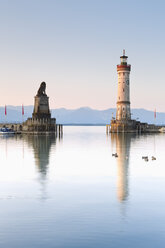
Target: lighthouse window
[123, 73]
[123, 90]
[119, 97]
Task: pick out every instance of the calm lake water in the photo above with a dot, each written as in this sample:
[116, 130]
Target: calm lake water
[71, 192]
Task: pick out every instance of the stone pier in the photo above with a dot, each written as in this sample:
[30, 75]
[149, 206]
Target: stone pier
[41, 121]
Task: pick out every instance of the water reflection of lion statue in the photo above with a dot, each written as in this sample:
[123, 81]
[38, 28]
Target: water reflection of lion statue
[41, 90]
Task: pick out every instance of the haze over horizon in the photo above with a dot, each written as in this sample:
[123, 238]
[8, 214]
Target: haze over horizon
[74, 46]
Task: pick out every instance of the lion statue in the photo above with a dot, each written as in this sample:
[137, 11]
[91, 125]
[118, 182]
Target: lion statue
[41, 90]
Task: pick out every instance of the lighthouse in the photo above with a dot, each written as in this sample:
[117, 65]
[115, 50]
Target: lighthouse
[123, 98]
[123, 122]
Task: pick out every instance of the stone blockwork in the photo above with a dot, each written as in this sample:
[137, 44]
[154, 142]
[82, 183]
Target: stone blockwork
[41, 107]
[40, 125]
[132, 126]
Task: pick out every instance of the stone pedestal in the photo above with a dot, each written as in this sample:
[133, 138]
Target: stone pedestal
[41, 107]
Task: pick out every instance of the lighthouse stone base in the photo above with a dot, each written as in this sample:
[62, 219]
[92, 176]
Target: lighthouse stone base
[132, 126]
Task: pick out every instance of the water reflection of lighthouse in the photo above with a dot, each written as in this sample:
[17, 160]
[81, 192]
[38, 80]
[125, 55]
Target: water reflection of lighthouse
[122, 142]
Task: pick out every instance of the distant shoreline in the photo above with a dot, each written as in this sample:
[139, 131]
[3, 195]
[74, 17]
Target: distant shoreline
[81, 117]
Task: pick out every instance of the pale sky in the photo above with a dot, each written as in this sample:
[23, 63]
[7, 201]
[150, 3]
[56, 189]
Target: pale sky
[75, 45]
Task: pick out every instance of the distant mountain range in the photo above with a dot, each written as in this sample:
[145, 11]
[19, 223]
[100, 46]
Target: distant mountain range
[78, 116]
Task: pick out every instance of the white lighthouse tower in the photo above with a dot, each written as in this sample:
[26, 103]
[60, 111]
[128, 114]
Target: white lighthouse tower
[123, 122]
[123, 99]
